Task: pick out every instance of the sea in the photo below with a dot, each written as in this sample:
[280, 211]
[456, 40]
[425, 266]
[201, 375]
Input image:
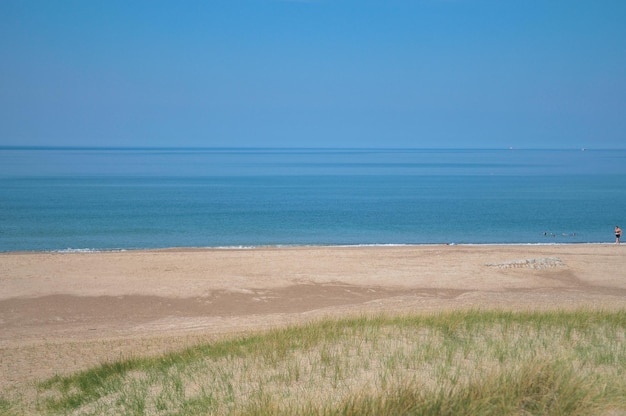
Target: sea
[100, 199]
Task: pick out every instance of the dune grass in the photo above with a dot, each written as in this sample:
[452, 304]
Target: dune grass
[453, 363]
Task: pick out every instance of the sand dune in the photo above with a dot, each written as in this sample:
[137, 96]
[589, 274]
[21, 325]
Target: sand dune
[61, 312]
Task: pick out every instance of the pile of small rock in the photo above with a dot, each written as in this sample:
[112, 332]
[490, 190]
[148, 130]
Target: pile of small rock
[540, 263]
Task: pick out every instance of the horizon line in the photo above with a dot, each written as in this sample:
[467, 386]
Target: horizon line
[67, 147]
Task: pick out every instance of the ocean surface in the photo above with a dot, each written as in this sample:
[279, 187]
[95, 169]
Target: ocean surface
[111, 198]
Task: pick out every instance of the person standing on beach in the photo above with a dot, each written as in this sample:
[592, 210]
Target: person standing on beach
[618, 234]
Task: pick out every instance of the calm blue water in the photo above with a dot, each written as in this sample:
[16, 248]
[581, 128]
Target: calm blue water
[59, 199]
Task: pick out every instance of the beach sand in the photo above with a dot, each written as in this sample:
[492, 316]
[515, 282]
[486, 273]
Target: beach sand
[63, 312]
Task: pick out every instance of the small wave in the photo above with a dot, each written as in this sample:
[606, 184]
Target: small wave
[233, 247]
[86, 250]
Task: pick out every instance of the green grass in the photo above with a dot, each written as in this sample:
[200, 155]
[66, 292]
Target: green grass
[6, 407]
[455, 363]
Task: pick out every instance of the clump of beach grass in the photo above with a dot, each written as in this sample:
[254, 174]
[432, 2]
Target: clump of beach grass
[452, 363]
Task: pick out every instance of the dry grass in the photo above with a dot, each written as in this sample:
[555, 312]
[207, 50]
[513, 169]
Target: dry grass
[468, 362]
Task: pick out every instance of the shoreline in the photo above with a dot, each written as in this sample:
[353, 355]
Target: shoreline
[294, 246]
[66, 311]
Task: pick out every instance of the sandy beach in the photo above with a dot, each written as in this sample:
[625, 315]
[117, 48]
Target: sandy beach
[62, 312]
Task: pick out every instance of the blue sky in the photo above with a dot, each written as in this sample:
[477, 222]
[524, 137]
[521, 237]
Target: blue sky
[338, 73]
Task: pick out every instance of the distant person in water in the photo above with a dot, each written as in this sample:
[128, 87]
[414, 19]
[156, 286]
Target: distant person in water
[618, 234]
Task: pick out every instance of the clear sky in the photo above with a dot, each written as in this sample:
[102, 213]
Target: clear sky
[339, 73]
